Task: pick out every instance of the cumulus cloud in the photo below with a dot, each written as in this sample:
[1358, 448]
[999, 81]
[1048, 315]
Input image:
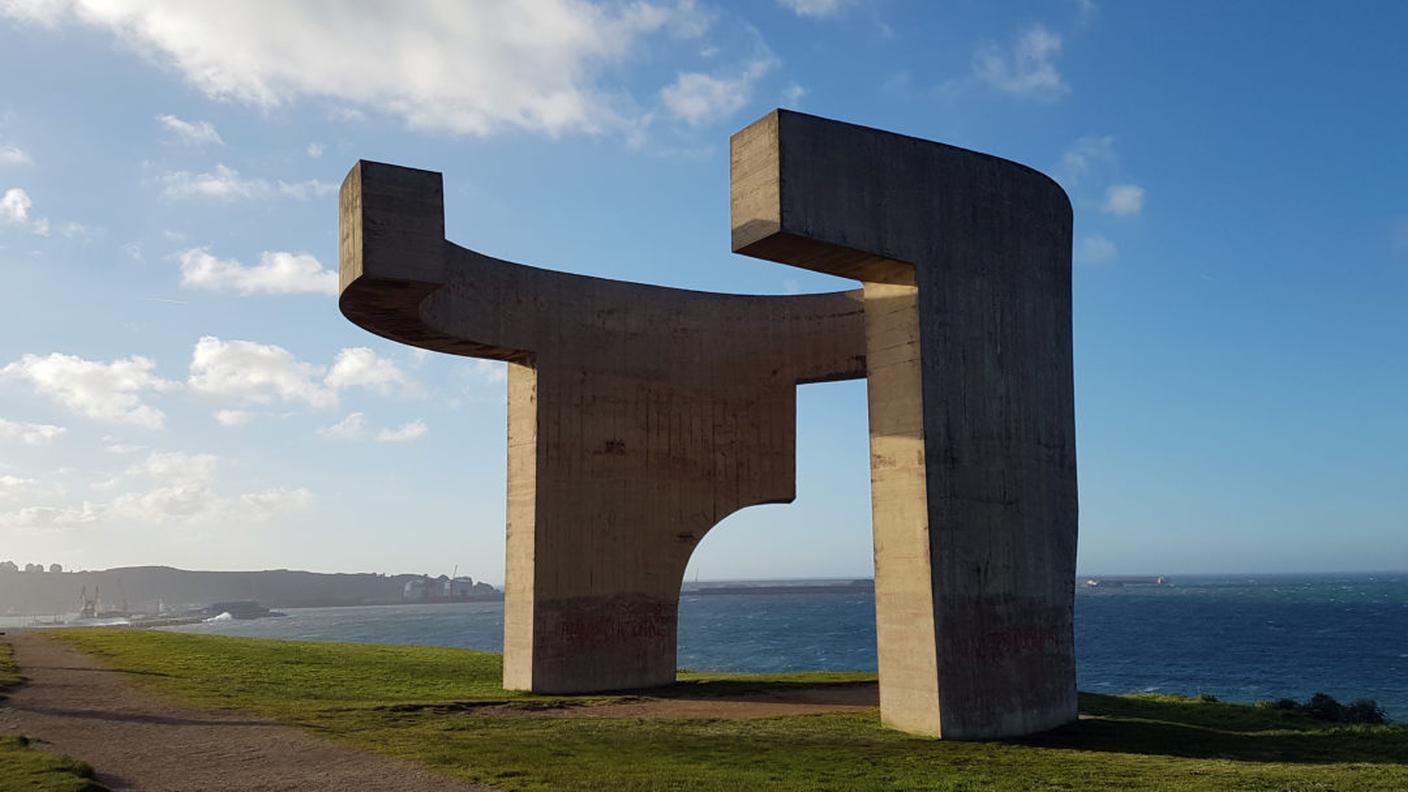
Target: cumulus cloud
[15, 205]
[405, 433]
[13, 155]
[471, 68]
[233, 417]
[226, 184]
[31, 434]
[360, 367]
[264, 373]
[1088, 155]
[348, 428]
[195, 133]
[19, 489]
[1095, 249]
[480, 370]
[315, 150]
[109, 392]
[164, 488]
[259, 373]
[1124, 199]
[1025, 69]
[277, 272]
[697, 98]
[815, 8]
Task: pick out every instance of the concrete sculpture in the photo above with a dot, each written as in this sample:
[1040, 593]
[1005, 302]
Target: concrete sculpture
[641, 416]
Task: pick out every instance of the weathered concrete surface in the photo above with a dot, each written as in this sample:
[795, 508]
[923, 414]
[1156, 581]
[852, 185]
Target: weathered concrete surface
[639, 417]
[966, 261]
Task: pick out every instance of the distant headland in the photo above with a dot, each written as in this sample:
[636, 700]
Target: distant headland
[40, 591]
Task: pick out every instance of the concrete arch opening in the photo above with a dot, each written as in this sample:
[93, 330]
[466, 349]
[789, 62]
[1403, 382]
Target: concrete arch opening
[823, 535]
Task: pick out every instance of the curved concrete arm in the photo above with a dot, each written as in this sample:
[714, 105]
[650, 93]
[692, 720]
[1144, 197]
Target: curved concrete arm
[639, 417]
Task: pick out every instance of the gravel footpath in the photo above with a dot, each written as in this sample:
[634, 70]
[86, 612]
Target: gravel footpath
[136, 740]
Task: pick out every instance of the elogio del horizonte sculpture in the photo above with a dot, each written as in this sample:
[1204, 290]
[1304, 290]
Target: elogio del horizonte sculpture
[640, 416]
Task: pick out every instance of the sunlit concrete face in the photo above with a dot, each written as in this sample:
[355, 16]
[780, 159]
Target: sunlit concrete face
[966, 264]
[640, 416]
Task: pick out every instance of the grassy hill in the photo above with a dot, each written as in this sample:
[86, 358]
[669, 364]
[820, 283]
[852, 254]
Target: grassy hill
[427, 704]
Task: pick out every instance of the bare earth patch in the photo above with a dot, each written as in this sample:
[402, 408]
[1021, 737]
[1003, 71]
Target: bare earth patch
[136, 740]
[686, 705]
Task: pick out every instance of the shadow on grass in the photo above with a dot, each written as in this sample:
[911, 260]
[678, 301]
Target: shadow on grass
[1197, 730]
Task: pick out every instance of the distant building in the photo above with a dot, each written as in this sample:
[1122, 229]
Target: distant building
[417, 589]
[458, 588]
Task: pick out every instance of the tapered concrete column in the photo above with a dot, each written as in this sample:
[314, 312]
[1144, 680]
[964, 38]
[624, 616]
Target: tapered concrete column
[966, 261]
[638, 418]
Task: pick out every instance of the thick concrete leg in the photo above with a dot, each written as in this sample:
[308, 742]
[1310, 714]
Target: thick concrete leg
[966, 264]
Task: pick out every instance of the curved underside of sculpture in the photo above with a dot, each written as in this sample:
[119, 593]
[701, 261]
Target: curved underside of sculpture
[639, 417]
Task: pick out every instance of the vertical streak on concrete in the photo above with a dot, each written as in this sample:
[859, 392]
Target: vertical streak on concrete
[904, 598]
[520, 573]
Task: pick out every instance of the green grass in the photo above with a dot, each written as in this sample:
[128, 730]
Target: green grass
[22, 768]
[9, 673]
[376, 697]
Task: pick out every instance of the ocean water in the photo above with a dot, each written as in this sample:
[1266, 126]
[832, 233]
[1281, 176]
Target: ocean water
[1241, 639]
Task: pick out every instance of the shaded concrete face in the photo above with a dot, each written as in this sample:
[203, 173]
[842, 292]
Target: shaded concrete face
[639, 417]
[966, 266]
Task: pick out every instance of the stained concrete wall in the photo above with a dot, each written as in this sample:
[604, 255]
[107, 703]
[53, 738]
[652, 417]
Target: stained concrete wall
[639, 417]
[966, 262]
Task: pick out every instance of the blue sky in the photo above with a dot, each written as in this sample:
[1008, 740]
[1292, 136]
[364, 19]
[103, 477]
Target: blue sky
[177, 386]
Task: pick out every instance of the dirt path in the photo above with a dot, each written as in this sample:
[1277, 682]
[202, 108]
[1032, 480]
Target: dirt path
[138, 741]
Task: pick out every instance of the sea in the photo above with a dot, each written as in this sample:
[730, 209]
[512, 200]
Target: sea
[1239, 638]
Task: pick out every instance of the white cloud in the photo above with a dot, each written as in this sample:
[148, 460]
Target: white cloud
[1027, 69]
[226, 184]
[15, 488]
[259, 373]
[1087, 156]
[471, 68]
[348, 428]
[360, 367]
[166, 488]
[1095, 249]
[697, 98]
[404, 433]
[792, 96]
[31, 434]
[815, 8]
[195, 133]
[14, 155]
[1124, 199]
[276, 273]
[15, 205]
[49, 516]
[315, 150]
[487, 370]
[102, 391]
[233, 417]
[113, 447]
